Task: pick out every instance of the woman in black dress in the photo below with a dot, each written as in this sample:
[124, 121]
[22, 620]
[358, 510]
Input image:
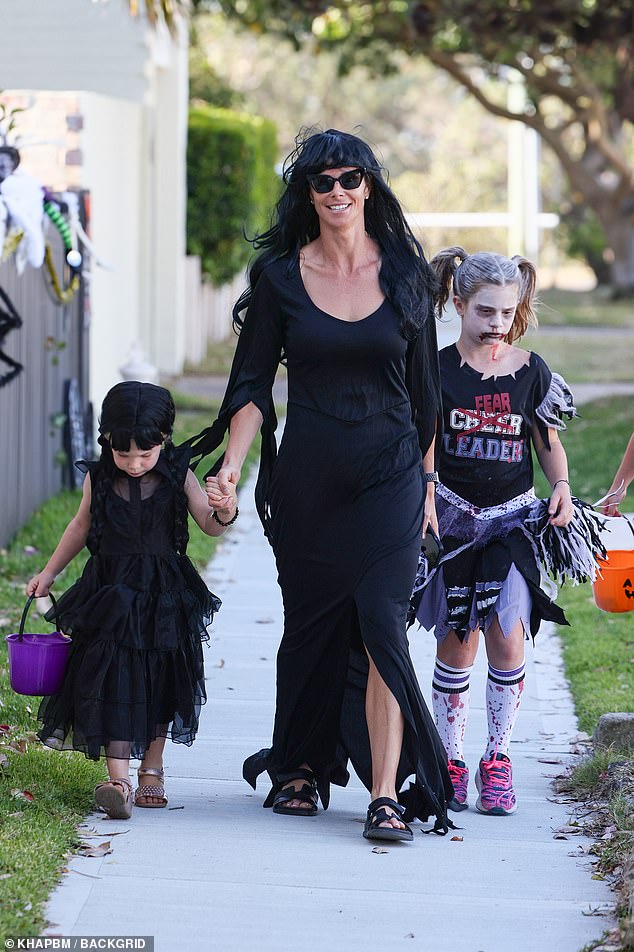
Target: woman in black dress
[342, 293]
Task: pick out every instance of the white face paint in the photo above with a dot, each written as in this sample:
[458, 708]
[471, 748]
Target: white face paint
[488, 315]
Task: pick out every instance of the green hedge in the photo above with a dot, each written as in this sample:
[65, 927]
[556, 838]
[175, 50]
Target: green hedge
[231, 187]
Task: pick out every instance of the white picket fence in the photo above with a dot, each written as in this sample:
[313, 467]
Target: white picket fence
[208, 310]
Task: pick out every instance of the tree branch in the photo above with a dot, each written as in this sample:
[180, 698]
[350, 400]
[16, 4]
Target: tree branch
[553, 136]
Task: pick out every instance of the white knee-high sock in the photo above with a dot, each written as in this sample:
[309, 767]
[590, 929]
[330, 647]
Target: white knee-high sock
[503, 697]
[450, 701]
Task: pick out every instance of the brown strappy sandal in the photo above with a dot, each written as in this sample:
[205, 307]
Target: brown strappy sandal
[114, 797]
[156, 790]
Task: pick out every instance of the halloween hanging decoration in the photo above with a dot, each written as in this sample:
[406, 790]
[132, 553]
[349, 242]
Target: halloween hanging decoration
[9, 320]
[25, 209]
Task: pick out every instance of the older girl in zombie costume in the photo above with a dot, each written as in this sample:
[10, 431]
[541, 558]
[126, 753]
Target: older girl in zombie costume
[499, 401]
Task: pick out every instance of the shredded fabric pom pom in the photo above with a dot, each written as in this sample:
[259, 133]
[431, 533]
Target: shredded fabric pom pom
[571, 552]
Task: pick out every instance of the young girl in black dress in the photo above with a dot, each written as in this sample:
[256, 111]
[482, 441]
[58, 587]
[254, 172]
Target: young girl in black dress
[498, 401]
[140, 611]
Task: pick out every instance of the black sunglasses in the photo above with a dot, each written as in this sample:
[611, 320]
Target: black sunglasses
[325, 183]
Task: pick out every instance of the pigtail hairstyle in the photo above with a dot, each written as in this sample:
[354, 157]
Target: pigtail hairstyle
[444, 265]
[525, 316]
[145, 413]
[475, 271]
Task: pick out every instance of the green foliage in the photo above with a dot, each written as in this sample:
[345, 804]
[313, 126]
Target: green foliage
[231, 187]
[564, 70]
[205, 84]
[583, 237]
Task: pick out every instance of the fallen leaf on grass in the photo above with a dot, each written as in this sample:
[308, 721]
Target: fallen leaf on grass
[102, 850]
[6, 875]
[4, 728]
[4, 761]
[380, 849]
[18, 746]
[21, 794]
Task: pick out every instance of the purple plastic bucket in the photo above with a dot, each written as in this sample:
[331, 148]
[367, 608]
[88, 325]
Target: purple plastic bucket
[37, 661]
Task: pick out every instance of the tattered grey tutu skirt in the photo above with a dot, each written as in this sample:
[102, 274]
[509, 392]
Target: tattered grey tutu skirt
[491, 565]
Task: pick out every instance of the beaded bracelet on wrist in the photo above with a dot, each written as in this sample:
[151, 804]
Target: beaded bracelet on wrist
[214, 516]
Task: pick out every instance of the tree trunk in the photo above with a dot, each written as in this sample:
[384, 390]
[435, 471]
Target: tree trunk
[618, 225]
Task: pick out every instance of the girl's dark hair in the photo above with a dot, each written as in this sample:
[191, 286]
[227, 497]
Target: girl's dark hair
[405, 276]
[145, 413]
[467, 274]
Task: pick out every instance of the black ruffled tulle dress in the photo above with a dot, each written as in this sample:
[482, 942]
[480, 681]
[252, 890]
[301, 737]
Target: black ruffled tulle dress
[137, 617]
[342, 504]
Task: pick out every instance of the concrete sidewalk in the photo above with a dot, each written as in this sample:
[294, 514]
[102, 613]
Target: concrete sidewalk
[215, 871]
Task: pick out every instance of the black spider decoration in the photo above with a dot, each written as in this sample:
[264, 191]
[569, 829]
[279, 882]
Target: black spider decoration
[10, 320]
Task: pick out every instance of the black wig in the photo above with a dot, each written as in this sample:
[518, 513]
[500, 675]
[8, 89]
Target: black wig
[145, 413]
[405, 276]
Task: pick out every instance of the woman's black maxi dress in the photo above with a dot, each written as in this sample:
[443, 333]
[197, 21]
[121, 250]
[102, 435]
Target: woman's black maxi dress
[342, 505]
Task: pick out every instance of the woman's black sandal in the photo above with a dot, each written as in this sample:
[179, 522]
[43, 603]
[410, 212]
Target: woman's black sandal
[377, 815]
[307, 793]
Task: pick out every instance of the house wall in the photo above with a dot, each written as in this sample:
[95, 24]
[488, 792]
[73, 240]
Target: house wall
[125, 88]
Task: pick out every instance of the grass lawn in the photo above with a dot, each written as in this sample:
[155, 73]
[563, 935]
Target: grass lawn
[44, 795]
[585, 356]
[599, 646]
[583, 308]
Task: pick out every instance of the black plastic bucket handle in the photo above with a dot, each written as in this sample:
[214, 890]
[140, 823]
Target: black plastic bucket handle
[26, 611]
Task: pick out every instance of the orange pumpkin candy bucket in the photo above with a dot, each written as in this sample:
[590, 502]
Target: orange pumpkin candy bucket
[613, 589]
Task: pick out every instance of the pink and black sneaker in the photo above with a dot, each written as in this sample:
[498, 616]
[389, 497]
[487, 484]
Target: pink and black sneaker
[459, 773]
[494, 781]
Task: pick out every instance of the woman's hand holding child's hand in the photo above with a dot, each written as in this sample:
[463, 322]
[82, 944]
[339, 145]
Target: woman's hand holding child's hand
[560, 507]
[221, 492]
[40, 584]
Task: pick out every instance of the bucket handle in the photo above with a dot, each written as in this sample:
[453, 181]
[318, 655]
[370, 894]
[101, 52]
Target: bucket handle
[26, 611]
[621, 515]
